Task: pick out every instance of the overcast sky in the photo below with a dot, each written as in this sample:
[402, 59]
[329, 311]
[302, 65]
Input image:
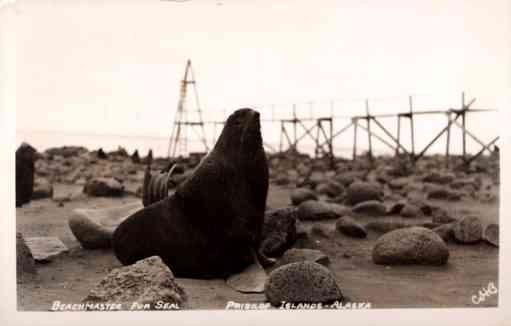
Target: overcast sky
[114, 66]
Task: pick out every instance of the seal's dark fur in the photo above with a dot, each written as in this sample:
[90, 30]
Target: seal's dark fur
[211, 225]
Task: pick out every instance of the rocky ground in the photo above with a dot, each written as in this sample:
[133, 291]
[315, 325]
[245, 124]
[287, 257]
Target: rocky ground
[343, 210]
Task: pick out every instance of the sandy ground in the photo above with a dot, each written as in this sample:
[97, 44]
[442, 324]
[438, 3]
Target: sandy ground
[470, 268]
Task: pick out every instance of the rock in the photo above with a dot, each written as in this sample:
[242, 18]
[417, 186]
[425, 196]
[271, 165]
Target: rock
[441, 216]
[316, 178]
[414, 245]
[491, 234]
[42, 189]
[135, 157]
[443, 193]
[45, 249]
[90, 234]
[396, 208]
[386, 226]
[297, 255]
[370, 208]
[25, 263]
[66, 151]
[299, 195]
[145, 282]
[330, 188]
[304, 240]
[445, 231]
[439, 178]
[320, 231]
[410, 210]
[279, 231]
[347, 178]
[301, 282]
[104, 187]
[250, 280]
[64, 193]
[468, 230]
[348, 226]
[313, 210]
[211, 225]
[25, 158]
[399, 183]
[101, 154]
[282, 180]
[360, 191]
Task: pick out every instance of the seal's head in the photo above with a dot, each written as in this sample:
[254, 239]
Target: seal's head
[241, 134]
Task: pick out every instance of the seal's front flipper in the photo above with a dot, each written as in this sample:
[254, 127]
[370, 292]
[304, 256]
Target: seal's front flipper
[251, 279]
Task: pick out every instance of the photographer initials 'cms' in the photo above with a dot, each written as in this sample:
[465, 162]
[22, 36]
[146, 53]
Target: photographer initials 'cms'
[484, 293]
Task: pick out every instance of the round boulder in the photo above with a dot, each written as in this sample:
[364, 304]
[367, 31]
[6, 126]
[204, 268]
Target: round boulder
[468, 230]
[316, 210]
[348, 226]
[299, 195]
[301, 282]
[370, 208]
[360, 191]
[410, 246]
[104, 187]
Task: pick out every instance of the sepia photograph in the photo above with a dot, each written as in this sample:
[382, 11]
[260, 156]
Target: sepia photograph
[204, 155]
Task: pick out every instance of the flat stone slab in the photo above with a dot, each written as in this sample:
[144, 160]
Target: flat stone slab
[65, 193]
[45, 249]
[250, 280]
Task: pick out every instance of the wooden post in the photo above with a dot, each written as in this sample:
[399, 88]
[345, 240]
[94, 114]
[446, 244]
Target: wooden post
[464, 135]
[412, 127]
[355, 127]
[448, 143]
[398, 134]
[294, 128]
[369, 136]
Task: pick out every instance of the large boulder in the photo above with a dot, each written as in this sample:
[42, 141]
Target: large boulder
[25, 158]
[330, 188]
[42, 189]
[149, 281]
[314, 210]
[414, 245]
[360, 191]
[299, 195]
[468, 230]
[348, 226]
[302, 282]
[93, 228]
[104, 187]
[279, 231]
[370, 208]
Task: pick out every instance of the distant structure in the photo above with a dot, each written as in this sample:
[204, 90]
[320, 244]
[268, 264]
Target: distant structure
[187, 117]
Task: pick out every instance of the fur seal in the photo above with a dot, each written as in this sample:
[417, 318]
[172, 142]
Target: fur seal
[213, 222]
